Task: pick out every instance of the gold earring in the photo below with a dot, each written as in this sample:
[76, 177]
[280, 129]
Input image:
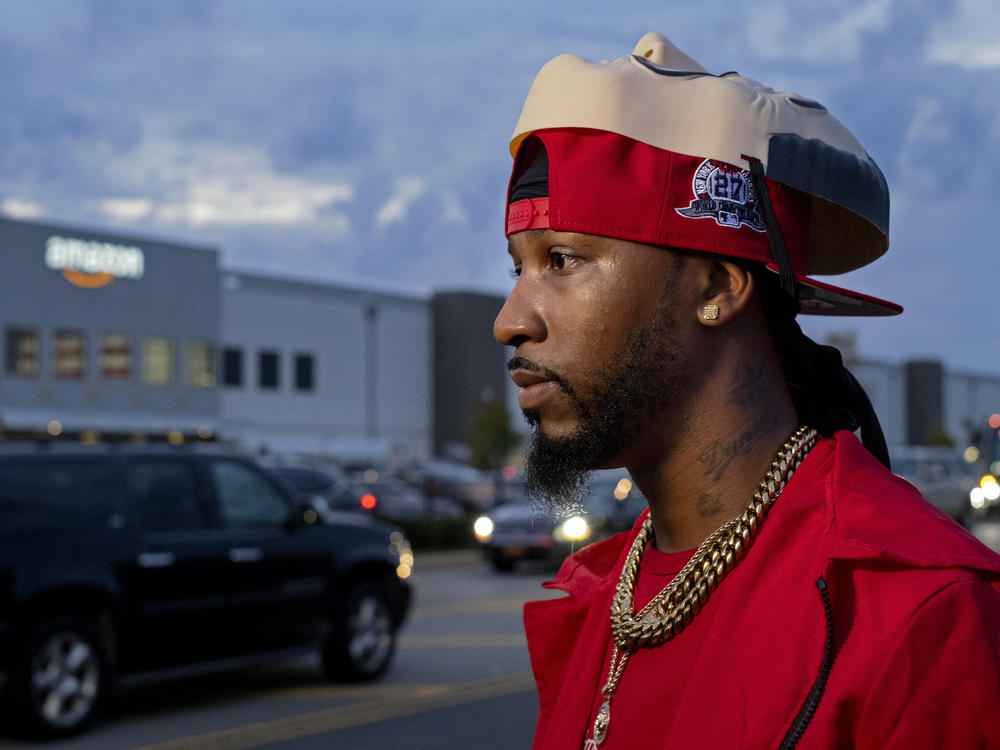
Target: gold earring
[711, 312]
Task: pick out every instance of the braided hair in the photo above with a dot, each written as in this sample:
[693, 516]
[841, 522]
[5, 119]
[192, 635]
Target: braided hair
[824, 392]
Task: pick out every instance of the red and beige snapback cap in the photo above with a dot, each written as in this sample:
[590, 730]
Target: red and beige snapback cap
[652, 148]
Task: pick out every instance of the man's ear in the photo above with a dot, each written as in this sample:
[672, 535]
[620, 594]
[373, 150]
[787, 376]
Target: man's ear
[727, 293]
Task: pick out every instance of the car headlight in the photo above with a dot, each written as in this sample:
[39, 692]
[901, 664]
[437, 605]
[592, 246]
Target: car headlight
[483, 528]
[987, 493]
[573, 529]
[399, 547]
[977, 499]
[991, 489]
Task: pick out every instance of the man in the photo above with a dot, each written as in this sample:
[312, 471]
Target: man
[662, 222]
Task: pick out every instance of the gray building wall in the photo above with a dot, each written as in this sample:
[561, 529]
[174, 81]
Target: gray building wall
[372, 366]
[885, 384]
[175, 296]
[969, 401]
[924, 401]
[470, 364]
[914, 397]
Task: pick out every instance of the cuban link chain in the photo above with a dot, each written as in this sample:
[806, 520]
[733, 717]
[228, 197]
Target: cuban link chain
[681, 599]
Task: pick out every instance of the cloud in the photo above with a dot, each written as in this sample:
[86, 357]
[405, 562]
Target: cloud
[265, 199]
[926, 134]
[834, 35]
[452, 210]
[968, 39]
[20, 209]
[204, 184]
[404, 192]
[126, 209]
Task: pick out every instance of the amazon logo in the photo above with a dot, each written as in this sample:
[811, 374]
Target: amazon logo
[90, 264]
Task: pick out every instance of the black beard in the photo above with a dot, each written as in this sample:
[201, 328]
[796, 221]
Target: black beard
[637, 388]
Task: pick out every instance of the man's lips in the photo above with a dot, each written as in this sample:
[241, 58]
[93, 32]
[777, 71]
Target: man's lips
[525, 378]
[535, 388]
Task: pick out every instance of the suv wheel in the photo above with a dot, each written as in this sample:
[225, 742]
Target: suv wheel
[58, 678]
[363, 638]
[501, 563]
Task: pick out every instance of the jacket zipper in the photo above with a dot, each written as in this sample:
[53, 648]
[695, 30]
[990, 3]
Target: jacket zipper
[808, 709]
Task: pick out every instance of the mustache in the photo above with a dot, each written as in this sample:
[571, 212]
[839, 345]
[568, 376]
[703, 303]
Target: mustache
[522, 363]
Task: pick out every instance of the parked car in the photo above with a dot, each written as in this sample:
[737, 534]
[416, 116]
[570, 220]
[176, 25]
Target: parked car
[327, 489]
[116, 562]
[940, 473]
[469, 489]
[390, 497]
[521, 529]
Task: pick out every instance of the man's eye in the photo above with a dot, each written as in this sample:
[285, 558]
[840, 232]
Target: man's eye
[515, 272]
[558, 260]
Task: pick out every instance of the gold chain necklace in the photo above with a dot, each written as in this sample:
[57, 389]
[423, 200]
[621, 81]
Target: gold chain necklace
[681, 599]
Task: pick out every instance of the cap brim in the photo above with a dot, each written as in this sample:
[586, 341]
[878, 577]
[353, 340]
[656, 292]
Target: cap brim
[818, 298]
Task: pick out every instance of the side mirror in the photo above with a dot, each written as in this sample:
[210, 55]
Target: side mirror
[303, 514]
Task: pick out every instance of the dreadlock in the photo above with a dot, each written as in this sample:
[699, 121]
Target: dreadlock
[825, 394]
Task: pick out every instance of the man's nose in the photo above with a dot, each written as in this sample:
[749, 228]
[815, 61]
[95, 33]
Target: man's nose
[520, 319]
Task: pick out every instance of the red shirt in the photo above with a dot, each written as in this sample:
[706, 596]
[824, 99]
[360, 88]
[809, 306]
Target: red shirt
[642, 683]
[900, 649]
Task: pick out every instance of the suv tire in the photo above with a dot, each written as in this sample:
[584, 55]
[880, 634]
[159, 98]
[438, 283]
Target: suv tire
[501, 563]
[363, 637]
[58, 678]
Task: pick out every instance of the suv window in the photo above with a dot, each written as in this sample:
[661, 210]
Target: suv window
[166, 494]
[47, 493]
[245, 497]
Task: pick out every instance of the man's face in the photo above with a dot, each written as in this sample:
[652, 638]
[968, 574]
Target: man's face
[599, 341]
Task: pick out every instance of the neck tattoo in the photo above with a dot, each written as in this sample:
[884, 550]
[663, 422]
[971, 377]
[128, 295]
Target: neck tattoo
[674, 607]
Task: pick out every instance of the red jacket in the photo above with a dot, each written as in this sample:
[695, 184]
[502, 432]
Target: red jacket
[901, 649]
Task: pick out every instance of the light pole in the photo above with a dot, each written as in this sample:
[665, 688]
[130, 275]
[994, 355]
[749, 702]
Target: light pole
[371, 368]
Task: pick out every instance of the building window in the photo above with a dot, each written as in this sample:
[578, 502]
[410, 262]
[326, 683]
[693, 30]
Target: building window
[199, 364]
[304, 372]
[116, 356]
[22, 351]
[157, 361]
[267, 370]
[70, 354]
[232, 367]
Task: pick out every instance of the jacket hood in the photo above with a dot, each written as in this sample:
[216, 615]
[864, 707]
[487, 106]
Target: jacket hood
[879, 516]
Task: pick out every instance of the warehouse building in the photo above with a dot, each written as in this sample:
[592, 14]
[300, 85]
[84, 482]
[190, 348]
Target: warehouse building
[115, 337]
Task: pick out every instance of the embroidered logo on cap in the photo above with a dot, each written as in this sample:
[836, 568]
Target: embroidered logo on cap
[724, 193]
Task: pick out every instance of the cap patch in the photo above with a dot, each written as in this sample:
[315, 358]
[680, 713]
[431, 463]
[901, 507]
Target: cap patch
[724, 193]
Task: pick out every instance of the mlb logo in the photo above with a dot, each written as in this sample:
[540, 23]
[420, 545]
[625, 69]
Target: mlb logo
[724, 193]
[727, 219]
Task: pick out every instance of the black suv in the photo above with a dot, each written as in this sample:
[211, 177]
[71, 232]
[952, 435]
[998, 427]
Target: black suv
[115, 562]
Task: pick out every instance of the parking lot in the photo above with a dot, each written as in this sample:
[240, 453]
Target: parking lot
[461, 678]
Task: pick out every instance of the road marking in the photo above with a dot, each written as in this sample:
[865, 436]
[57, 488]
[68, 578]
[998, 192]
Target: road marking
[342, 692]
[420, 698]
[463, 641]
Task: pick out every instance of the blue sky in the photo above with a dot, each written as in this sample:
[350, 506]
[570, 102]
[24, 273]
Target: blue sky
[367, 143]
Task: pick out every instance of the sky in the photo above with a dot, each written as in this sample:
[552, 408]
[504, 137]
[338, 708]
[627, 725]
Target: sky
[366, 143]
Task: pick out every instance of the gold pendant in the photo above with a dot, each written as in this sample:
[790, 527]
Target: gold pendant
[601, 722]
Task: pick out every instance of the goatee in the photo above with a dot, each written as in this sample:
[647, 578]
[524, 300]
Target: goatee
[627, 396]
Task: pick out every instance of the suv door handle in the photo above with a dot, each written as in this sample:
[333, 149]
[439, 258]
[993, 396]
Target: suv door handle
[156, 559]
[246, 554]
